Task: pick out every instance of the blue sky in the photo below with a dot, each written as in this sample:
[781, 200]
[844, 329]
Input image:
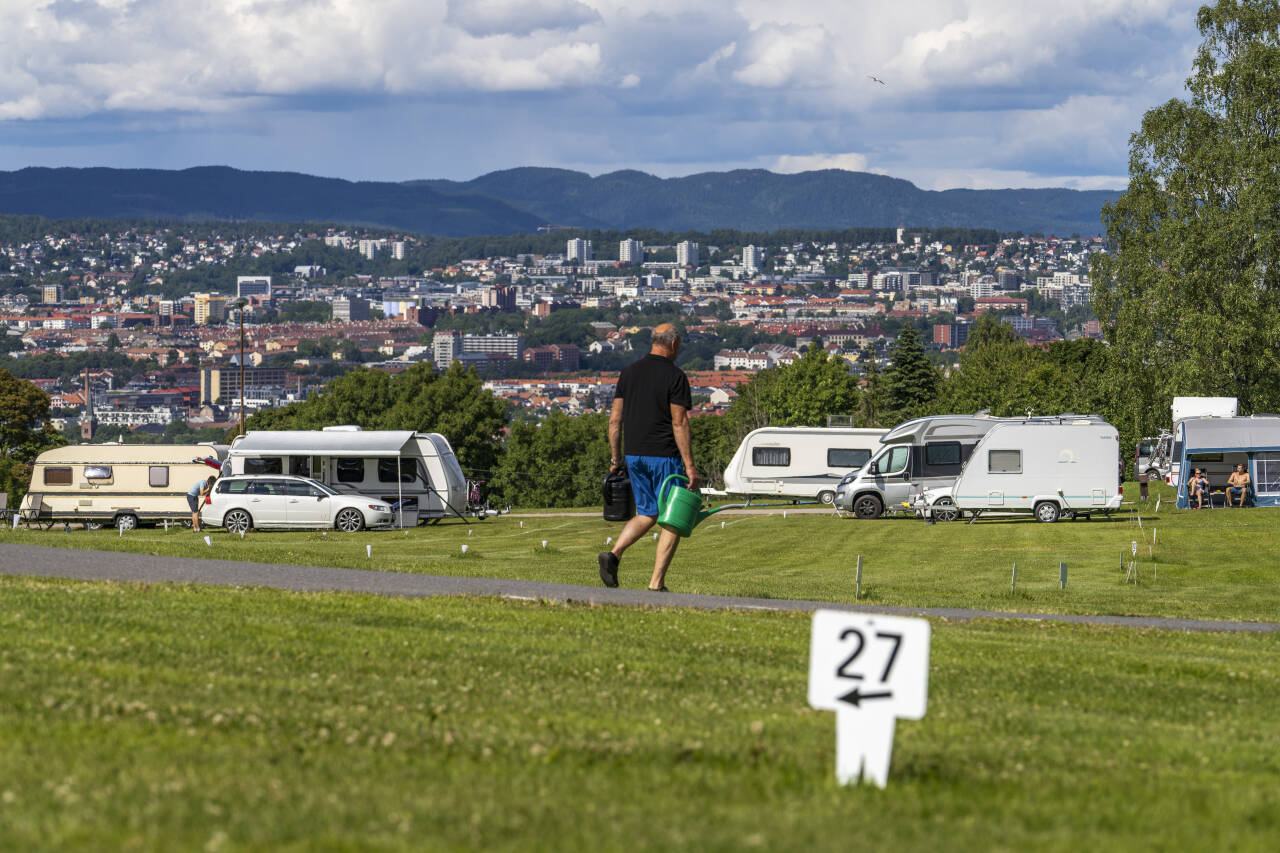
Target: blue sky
[976, 93]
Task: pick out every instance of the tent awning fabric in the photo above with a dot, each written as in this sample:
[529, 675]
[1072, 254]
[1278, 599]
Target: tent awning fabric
[1215, 434]
[316, 443]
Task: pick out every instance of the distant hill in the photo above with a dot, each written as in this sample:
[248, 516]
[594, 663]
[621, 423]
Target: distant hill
[758, 200]
[219, 192]
[518, 200]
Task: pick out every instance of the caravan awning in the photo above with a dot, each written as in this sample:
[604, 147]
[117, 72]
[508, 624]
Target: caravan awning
[1227, 434]
[318, 443]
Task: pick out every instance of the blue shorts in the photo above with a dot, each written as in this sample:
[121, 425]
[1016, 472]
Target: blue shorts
[193, 501]
[647, 474]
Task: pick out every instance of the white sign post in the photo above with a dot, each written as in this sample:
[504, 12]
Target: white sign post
[871, 670]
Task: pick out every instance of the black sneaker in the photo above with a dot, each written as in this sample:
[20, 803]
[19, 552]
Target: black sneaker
[608, 568]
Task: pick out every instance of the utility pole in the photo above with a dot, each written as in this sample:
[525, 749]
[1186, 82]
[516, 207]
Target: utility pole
[240, 305]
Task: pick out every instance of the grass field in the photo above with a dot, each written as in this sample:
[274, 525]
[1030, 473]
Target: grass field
[163, 717]
[1213, 564]
[166, 718]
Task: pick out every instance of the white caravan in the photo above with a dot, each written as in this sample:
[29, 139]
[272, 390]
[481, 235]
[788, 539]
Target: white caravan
[122, 485]
[417, 473]
[1047, 466]
[798, 462]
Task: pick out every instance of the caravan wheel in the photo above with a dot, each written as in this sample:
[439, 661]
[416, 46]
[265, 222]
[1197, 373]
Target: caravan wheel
[944, 509]
[127, 520]
[1047, 512]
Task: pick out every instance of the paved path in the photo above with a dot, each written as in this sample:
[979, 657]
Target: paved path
[144, 568]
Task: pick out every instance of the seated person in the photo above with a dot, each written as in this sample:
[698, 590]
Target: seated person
[1237, 486]
[1198, 488]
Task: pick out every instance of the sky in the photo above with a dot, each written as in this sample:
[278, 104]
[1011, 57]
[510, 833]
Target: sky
[975, 93]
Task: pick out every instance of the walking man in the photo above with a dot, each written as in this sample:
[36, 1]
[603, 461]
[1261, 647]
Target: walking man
[651, 408]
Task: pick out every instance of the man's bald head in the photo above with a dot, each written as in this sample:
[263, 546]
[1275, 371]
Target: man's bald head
[665, 341]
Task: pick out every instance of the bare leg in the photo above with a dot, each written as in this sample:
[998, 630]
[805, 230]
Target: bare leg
[195, 520]
[667, 543]
[635, 528]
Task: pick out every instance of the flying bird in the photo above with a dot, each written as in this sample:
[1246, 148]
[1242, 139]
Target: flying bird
[877, 79]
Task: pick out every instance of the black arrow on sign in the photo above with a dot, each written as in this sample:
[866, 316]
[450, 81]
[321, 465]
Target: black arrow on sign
[854, 697]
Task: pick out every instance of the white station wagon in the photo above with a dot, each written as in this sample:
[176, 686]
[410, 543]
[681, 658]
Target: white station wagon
[241, 503]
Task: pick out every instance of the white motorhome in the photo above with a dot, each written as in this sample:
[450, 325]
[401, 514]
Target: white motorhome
[915, 455]
[798, 462]
[415, 472]
[1046, 466]
[117, 484]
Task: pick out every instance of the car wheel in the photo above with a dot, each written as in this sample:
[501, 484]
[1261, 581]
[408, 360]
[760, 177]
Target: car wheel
[349, 520]
[868, 506]
[128, 521]
[1047, 512]
[944, 509]
[237, 521]
[1154, 475]
[826, 496]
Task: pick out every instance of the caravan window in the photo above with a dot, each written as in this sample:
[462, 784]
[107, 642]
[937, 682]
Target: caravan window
[57, 476]
[1267, 465]
[771, 457]
[265, 465]
[1004, 462]
[158, 476]
[387, 470]
[350, 470]
[97, 472]
[845, 457]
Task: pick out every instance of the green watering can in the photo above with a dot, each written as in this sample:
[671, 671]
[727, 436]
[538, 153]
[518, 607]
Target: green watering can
[680, 509]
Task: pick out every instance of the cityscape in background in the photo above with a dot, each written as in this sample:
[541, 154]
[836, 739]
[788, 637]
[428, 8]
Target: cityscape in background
[178, 345]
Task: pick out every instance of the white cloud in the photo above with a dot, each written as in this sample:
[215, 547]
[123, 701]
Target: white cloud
[789, 164]
[519, 17]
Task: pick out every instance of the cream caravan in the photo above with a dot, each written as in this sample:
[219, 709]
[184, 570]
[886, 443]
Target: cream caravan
[417, 473]
[118, 484]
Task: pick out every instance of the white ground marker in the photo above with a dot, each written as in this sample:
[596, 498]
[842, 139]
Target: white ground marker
[464, 549]
[208, 541]
[871, 670]
[368, 551]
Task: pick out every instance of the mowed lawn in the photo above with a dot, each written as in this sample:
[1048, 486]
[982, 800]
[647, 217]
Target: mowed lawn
[1211, 564]
[187, 718]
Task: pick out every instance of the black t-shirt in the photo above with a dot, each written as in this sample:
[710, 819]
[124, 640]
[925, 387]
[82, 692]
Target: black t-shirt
[648, 387]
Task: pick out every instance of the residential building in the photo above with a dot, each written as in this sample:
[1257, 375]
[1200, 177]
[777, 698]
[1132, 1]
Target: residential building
[687, 253]
[951, 335]
[398, 249]
[578, 250]
[752, 258]
[631, 252]
[208, 308]
[253, 285]
[445, 347]
[51, 294]
[511, 345]
[349, 309]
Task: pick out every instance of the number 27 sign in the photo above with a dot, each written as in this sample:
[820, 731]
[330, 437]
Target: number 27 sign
[870, 669]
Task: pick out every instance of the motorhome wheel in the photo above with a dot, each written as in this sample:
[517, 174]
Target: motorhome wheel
[1047, 512]
[867, 506]
[826, 496]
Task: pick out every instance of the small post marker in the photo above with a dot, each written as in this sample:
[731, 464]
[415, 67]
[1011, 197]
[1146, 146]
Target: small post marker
[871, 670]
[722, 525]
[1013, 584]
[784, 515]
[241, 535]
[544, 543]
[208, 541]
[1157, 504]
[608, 540]
[655, 536]
[464, 549]
[1062, 575]
[1155, 532]
[368, 551]
[120, 527]
[468, 531]
[166, 525]
[857, 581]
[522, 525]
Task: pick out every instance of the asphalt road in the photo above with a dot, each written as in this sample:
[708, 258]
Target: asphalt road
[41, 561]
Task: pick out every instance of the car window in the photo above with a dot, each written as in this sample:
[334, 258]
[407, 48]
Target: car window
[265, 487]
[297, 489]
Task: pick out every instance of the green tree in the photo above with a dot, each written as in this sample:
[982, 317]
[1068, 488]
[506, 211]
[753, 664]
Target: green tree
[559, 462]
[24, 431]
[1190, 299]
[453, 403]
[911, 382]
[871, 403]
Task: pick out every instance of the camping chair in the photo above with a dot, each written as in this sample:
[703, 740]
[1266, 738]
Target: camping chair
[31, 515]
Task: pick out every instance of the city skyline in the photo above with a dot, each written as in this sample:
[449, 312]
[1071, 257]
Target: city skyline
[981, 94]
